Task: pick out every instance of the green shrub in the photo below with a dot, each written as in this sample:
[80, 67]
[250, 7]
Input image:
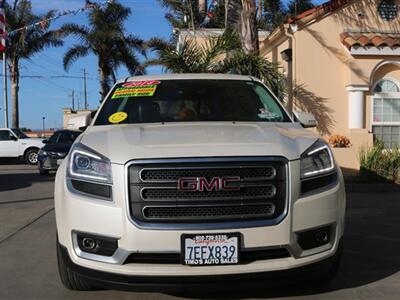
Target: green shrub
[378, 162]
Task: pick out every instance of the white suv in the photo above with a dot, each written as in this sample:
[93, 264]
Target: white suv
[14, 143]
[196, 179]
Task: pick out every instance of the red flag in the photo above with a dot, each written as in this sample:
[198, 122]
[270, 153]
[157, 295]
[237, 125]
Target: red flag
[3, 32]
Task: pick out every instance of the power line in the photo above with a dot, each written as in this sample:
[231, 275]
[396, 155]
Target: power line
[23, 76]
[43, 67]
[51, 77]
[47, 82]
[54, 63]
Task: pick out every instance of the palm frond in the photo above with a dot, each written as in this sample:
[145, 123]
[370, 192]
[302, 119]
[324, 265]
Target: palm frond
[257, 66]
[136, 43]
[73, 54]
[79, 31]
[159, 44]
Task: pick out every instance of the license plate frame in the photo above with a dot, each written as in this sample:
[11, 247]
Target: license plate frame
[230, 235]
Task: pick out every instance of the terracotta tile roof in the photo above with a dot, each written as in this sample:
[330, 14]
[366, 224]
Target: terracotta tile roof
[319, 11]
[350, 39]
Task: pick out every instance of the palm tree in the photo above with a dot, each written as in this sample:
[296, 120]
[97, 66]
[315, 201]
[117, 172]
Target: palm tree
[241, 18]
[274, 14]
[296, 7]
[24, 44]
[192, 57]
[211, 57]
[183, 14]
[203, 7]
[105, 37]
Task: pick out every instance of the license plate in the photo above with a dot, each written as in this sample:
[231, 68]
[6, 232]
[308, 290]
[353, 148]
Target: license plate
[59, 161]
[210, 249]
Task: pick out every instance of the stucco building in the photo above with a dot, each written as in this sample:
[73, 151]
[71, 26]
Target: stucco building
[69, 114]
[342, 63]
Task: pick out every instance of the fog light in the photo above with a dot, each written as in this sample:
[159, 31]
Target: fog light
[89, 243]
[98, 245]
[321, 236]
[315, 237]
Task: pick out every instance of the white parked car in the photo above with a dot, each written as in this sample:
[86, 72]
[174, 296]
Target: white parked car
[14, 143]
[197, 179]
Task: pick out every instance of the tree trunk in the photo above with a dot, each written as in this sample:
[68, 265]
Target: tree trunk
[203, 7]
[260, 9]
[240, 17]
[249, 34]
[233, 9]
[14, 74]
[104, 87]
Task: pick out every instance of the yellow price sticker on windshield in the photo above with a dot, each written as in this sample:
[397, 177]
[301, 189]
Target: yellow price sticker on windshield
[118, 117]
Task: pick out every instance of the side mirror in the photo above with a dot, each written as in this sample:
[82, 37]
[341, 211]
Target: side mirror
[307, 120]
[79, 122]
[13, 138]
[45, 141]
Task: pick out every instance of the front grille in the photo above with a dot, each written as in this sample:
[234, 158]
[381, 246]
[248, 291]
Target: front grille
[267, 173]
[262, 192]
[207, 213]
[259, 192]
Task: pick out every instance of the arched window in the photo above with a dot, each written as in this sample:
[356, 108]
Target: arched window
[386, 113]
[386, 86]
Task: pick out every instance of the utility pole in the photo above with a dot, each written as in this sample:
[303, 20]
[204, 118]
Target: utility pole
[73, 99]
[84, 88]
[5, 90]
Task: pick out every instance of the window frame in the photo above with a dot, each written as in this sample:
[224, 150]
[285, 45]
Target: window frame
[381, 96]
[10, 132]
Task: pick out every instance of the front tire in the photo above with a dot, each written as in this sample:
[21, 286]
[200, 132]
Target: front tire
[70, 279]
[31, 157]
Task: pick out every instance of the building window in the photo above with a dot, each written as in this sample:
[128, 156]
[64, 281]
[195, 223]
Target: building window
[386, 113]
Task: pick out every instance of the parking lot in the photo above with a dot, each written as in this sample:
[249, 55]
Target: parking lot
[28, 268]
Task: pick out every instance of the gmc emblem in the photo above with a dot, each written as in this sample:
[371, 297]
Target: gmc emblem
[200, 184]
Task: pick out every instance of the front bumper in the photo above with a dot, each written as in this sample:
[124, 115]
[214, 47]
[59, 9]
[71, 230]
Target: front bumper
[48, 163]
[202, 283]
[80, 213]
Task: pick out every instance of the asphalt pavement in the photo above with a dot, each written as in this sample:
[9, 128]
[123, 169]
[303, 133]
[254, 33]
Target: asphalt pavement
[28, 266]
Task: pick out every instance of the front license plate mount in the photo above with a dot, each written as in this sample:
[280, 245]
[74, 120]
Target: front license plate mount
[210, 249]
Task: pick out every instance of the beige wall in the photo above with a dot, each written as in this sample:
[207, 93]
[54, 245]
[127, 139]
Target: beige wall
[323, 67]
[69, 114]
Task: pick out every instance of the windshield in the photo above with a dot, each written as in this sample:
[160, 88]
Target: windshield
[19, 133]
[63, 137]
[190, 101]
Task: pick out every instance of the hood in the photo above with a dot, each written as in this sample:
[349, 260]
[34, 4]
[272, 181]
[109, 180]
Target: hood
[37, 142]
[122, 143]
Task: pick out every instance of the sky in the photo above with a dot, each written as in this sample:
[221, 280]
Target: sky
[48, 94]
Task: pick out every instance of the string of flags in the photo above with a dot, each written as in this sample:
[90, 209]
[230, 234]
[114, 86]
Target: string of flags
[210, 12]
[89, 5]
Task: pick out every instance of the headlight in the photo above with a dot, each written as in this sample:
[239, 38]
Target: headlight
[58, 154]
[317, 160]
[61, 154]
[42, 152]
[85, 163]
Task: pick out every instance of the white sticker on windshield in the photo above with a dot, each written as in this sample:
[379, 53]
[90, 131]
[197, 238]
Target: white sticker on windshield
[266, 115]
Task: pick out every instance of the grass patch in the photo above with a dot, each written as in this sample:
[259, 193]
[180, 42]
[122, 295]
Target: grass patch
[379, 163]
